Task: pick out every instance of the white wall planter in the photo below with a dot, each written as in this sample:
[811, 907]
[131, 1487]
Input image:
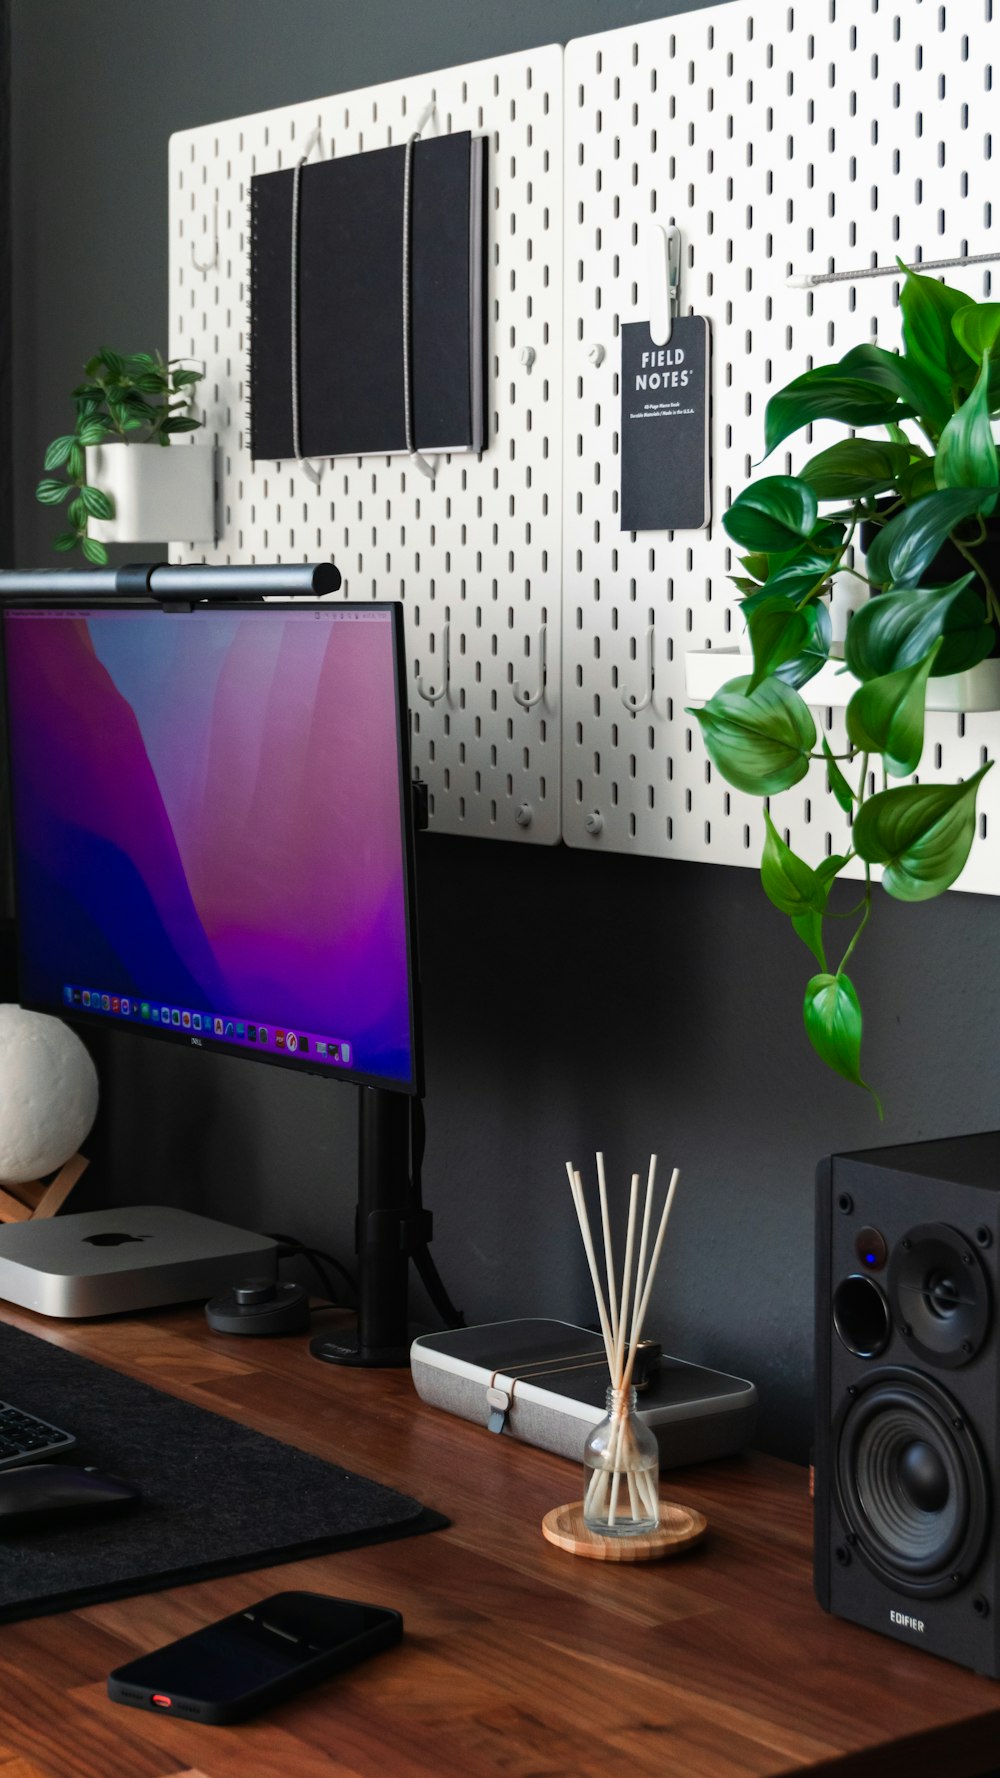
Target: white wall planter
[706, 670]
[162, 493]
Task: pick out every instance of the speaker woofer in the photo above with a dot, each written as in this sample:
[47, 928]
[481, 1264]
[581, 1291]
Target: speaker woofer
[939, 1294]
[911, 1484]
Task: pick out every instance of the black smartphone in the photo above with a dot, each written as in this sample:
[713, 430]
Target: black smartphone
[234, 1668]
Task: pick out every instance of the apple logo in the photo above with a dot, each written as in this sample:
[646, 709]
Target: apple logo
[111, 1239]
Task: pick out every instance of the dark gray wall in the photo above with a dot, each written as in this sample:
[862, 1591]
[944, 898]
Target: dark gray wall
[571, 1001]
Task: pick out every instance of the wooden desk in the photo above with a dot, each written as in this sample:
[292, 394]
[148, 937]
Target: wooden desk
[518, 1661]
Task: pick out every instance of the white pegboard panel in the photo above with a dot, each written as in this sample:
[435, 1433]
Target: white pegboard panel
[475, 556]
[779, 138]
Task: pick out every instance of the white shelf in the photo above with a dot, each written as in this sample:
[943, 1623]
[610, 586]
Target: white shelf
[707, 669]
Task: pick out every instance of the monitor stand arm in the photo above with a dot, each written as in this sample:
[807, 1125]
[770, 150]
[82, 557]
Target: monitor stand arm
[385, 1238]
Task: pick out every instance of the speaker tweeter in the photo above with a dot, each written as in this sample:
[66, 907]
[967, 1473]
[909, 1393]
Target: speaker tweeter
[939, 1295]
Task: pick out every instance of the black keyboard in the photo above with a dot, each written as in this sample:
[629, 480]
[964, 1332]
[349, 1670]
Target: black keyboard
[26, 1439]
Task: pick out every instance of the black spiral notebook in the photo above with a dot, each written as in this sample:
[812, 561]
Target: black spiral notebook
[350, 303]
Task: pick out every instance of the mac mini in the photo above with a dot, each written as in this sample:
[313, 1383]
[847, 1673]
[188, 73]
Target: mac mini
[107, 1262]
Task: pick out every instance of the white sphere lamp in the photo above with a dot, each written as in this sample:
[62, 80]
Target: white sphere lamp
[48, 1094]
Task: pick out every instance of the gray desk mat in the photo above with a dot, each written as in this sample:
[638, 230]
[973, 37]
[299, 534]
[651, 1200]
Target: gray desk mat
[217, 1498]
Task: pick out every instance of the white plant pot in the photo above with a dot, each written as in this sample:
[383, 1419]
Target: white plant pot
[162, 493]
[707, 669]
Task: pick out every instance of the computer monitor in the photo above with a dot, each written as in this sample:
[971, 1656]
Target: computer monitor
[212, 836]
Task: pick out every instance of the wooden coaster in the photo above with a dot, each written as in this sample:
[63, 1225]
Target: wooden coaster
[680, 1528]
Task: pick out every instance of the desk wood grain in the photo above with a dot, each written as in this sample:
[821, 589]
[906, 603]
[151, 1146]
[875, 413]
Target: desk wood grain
[518, 1661]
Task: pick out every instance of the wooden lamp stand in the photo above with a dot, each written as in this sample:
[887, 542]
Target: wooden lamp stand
[33, 1198]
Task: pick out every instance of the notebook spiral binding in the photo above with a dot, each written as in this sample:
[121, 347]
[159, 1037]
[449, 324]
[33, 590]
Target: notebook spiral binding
[251, 287]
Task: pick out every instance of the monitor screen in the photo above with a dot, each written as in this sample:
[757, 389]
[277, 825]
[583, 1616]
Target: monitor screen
[211, 824]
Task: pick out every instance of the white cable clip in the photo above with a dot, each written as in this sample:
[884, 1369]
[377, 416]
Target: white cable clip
[663, 280]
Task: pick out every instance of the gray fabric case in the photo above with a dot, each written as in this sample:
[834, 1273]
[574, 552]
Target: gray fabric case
[545, 1382]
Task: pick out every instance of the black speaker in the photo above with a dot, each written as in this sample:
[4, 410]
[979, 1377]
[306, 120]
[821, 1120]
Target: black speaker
[907, 1451]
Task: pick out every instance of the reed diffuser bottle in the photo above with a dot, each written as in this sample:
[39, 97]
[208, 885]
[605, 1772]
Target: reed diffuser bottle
[621, 1471]
[621, 1459]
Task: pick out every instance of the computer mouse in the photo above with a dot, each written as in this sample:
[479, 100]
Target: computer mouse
[50, 1494]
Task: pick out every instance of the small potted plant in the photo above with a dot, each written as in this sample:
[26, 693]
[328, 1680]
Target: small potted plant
[920, 502]
[132, 495]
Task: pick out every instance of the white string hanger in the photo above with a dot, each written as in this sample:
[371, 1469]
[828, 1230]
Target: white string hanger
[313, 470]
[425, 466]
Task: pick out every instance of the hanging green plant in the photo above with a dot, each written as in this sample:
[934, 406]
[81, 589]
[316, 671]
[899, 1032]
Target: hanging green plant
[924, 495]
[138, 398]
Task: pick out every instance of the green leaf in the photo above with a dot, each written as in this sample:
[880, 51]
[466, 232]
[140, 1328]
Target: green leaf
[899, 629]
[814, 652]
[809, 927]
[94, 551]
[52, 493]
[92, 432]
[779, 636]
[113, 363]
[916, 389]
[98, 504]
[791, 884]
[827, 394]
[832, 1014]
[58, 451]
[802, 574]
[756, 565]
[928, 309]
[182, 379]
[977, 328]
[921, 833]
[68, 540]
[903, 548]
[917, 480]
[836, 780]
[77, 513]
[855, 467]
[152, 382]
[773, 514]
[966, 454]
[180, 426]
[886, 716]
[761, 742]
[76, 462]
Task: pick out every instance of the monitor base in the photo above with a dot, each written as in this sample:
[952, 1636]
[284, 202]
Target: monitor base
[342, 1346]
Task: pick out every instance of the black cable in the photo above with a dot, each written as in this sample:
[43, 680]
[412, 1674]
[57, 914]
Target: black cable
[294, 1249]
[427, 1271]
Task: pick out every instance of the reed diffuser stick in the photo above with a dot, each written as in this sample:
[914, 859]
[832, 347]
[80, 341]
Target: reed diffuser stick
[621, 1342]
[576, 1187]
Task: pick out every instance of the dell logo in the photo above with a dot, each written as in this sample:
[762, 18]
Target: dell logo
[906, 1623]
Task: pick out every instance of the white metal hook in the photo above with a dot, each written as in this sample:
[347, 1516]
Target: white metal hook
[315, 140]
[528, 700]
[210, 264]
[663, 280]
[429, 111]
[632, 703]
[429, 695]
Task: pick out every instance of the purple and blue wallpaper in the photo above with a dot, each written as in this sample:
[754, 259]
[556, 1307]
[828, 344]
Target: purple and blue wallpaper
[207, 825]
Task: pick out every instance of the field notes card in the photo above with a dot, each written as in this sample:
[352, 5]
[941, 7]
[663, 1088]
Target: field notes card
[666, 467]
